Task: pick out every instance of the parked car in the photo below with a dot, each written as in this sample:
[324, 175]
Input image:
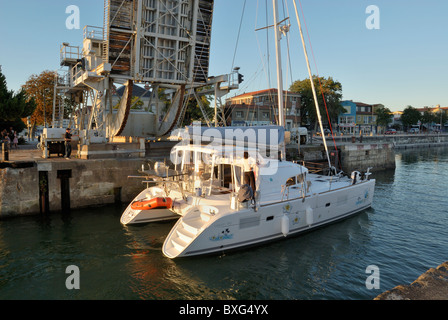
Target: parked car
[326, 132]
[414, 130]
[391, 131]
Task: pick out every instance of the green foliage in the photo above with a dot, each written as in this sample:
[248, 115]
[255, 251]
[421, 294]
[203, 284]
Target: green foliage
[428, 117]
[327, 87]
[410, 116]
[14, 107]
[383, 116]
[194, 113]
[136, 103]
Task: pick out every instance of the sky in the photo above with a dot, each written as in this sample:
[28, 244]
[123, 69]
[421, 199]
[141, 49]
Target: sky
[402, 63]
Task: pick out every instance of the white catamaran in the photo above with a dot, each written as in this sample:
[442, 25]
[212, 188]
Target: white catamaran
[216, 210]
[206, 191]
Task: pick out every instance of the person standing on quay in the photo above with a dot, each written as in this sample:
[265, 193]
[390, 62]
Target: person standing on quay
[15, 141]
[68, 146]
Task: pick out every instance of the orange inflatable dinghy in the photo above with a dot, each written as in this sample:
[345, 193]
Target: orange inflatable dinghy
[156, 203]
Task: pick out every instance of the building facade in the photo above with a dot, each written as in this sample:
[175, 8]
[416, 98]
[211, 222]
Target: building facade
[347, 120]
[358, 118]
[261, 108]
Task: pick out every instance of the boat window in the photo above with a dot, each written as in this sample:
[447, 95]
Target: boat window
[291, 181]
[238, 175]
[301, 178]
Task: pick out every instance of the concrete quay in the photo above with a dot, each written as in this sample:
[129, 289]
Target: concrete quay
[399, 141]
[432, 285]
[357, 153]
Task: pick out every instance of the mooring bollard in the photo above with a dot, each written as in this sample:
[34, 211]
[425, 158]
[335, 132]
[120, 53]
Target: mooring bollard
[5, 151]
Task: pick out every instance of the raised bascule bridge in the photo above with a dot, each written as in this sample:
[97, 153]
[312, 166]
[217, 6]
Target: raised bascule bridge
[161, 46]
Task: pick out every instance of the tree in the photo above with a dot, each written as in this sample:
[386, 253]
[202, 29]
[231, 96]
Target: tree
[428, 117]
[410, 116]
[194, 113]
[136, 103]
[332, 91]
[442, 117]
[14, 107]
[383, 116]
[41, 88]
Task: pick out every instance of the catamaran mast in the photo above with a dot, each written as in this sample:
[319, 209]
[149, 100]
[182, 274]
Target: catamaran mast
[312, 86]
[281, 116]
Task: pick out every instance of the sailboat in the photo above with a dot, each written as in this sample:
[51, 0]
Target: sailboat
[218, 211]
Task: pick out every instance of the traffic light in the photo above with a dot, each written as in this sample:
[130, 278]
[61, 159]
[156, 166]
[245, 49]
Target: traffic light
[240, 78]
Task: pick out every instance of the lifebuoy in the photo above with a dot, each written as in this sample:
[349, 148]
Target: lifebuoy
[155, 203]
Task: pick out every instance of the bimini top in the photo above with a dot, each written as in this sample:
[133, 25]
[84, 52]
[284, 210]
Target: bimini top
[228, 154]
[257, 137]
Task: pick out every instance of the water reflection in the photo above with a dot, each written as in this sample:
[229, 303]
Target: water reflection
[282, 270]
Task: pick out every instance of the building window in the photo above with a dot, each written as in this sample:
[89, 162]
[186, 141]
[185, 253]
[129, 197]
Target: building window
[239, 114]
[265, 115]
[347, 120]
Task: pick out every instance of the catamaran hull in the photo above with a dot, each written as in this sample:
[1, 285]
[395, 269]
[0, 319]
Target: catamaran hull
[266, 239]
[246, 228]
[147, 216]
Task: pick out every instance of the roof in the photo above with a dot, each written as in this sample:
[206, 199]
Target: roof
[432, 109]
[137, 91]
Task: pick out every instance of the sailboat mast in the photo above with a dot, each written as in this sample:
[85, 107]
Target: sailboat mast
[281, 115]
[312, 86]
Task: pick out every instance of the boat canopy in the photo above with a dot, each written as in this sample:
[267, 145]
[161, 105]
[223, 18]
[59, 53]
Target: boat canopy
[261, 137]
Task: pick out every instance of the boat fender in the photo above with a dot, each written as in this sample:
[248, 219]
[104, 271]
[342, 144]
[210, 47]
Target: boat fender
[285, 225]
[233, 202]
[309, 216]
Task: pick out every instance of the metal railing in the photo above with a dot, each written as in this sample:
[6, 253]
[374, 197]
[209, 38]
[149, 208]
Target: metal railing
[94, 33]
[70, 53]
[77, 72]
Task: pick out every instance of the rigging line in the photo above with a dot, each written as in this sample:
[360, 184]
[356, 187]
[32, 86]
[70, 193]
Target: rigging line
[288, 47]
[317, 71]
[242, 90]
[267, 46]
[312, 85]
[238, 37]
[265, 65]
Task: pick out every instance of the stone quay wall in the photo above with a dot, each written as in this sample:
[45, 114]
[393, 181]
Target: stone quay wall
[46, 185]
[359, 157]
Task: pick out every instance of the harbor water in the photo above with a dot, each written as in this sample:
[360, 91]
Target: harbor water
[403, 235]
